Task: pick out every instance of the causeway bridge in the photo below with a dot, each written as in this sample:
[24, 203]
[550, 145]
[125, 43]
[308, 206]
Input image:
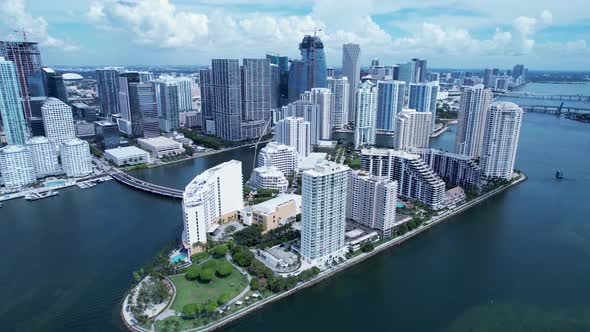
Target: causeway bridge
[528, 95]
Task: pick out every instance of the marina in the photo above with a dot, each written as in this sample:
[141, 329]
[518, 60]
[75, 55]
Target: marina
[40, 195]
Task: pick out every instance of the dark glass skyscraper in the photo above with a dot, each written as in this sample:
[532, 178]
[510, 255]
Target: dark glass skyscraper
[227, 101]
[310, 72]
[107, 82]
[283, 63]
[54, 84]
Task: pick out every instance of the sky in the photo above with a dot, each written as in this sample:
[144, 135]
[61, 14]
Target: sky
[542, 34]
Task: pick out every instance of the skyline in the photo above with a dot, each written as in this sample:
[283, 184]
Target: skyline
[181, 32]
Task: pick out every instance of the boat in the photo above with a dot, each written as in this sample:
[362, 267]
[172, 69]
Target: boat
[559, 174]
[39, 195]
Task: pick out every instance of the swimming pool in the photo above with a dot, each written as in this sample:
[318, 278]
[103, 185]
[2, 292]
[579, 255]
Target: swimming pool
[400, 205]
[181, 257]
[54, 183]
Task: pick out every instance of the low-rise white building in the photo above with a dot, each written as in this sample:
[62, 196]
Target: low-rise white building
[273, 213]
[125, 156]
[75, 158]
[161, 146]
[268, 177]
[16, 166]
[45, 156]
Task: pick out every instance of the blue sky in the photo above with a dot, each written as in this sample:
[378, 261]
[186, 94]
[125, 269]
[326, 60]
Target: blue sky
[449, 33]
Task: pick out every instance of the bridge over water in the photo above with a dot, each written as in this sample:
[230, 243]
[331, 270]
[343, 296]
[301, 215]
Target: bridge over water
[144, 186]
[554, 104]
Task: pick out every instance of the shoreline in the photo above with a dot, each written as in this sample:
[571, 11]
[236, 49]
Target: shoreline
[436, 220]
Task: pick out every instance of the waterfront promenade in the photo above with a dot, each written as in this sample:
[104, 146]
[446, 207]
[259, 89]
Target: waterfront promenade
[435, 220]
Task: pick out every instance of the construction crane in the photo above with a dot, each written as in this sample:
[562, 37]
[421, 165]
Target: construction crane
[24, 32]
[258, 142]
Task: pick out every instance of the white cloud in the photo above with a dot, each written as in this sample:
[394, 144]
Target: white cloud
[14, 17]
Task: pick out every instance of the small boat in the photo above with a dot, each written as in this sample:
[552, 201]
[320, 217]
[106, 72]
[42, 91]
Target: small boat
[559, 174]
[39, 195]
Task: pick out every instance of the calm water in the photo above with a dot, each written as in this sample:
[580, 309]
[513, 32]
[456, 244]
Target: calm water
[517, 262]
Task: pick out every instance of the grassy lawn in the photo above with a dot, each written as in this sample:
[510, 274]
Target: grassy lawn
[197, 292]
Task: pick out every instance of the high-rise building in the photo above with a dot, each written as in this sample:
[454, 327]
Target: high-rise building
[473, 107]
[419, 70]
[489, 77]
[284, 157]
[323, 215]
[351, 68]
[390, 101]
[500, 140]
[307, 110]
[414, 178]
[340, 89]
[296, 81]
[412, 129]
[16, 167]
[185, 93]
[107, 134]
[58, 120]
[423, 99]
[26, 58]
[44, 155]
[331, 72]
[167, 101]
[312, 54]
[227, 98]
[11, 108]
[275, 86]
[283, 63]
[37, 127]
[407, 73]
[138, 107]
[54, 84]
[372, 201]
[211, 198]
[145, 77]
[454, 169]
[294, 132]
[268, 177]
[206, 89]
[256, 97]
[324, 98]
[76, 160]
[107, 83]
[365, 110]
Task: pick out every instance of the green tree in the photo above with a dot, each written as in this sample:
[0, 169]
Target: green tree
[224, 269]
[242, 256]
[193, 272]
[207, 275]
[225, 297]
[254, 284]
[210, 306]
[249, 236]
[220, 251]
[367, 246]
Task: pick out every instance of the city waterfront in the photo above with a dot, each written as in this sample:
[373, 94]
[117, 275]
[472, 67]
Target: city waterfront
[521, 252]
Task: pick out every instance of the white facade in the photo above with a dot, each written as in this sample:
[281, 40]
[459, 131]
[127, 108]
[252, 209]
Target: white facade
[412, 129]
[322, 97]
[268, 177]
[365, 110]
[45, 156]
[185, 93]
[324, 212]
[423, 99]
[58, 120]
[161, 146]
[75, 158]
[371, 201]
[209, 197]
[473, 108]
[129, 155]
[281, 156]
[340, 89]
[500, 141]
[16, 167]
[294, 132]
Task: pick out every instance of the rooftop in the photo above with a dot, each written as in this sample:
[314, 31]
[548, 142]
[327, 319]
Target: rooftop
[12, 149]
[74, 142]
[158, 141]
[37, 140]
[310, 161]
[127, 151]
[271, 205]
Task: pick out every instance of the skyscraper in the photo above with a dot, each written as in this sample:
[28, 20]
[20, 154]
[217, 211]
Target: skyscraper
[390, 101]
[44, 155]
[312, 54]
[256, 97]
[340, 89]
[144, 112]
[351, 68]
[474, 105]
[16, 167]
[371, 201]
[206, 87]
[324, 98]
[11, 108]
[283, 63]
[489, 77]
[365, 110]
[54, 84]
[27, 62]
[107, 83]
[412, 129]
[213, 197]
[75, 157]
[407, 73]
[423, 99]
[307, 110]
[296, 85]
[419, 70]
[295, 132]
[227, 99]
[58, 120]
[500, 141]
[275, 86]
[185, 93]
[167, 99]
[323, 215]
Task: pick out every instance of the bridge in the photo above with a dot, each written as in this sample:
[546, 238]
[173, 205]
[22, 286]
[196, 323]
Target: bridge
[557, 110]
[528, 95]
[145, 186]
